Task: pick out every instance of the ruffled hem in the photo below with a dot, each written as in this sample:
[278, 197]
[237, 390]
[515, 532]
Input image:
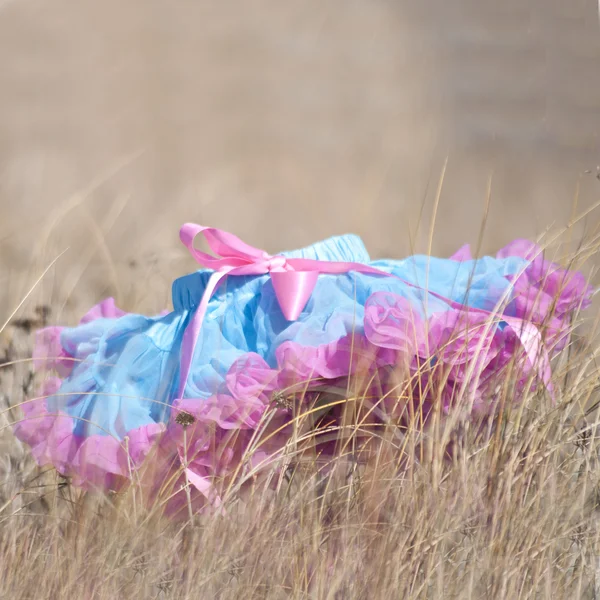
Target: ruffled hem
[93, 462]
[459, 353]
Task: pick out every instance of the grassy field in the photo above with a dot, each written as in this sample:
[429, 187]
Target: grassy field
[511, 512]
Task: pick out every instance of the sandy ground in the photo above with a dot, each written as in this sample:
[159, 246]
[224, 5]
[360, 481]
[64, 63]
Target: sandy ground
[283, 122]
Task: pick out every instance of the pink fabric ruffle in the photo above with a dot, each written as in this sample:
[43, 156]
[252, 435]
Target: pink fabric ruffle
[94, 462]
[545, 293]
[97, 461]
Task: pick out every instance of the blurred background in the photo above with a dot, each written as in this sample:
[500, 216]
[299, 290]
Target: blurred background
[283, 122]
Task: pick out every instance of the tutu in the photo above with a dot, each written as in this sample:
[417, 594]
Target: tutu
[252, 336]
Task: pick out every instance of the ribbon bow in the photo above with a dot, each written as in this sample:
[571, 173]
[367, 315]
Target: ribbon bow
[294, 280]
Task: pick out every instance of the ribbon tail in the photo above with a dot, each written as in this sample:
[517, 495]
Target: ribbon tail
[293, 290]
[192, 331]
[204, 486]
[201, 483]
[531, 340]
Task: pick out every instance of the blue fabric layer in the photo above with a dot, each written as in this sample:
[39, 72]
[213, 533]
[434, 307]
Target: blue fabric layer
[128, 374]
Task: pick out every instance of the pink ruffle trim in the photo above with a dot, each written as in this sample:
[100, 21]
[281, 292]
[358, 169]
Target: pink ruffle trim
[97, 461]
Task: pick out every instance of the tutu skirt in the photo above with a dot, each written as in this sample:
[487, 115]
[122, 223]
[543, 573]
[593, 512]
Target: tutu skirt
[113, 388]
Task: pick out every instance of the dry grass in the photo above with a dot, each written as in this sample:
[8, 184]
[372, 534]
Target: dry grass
[513, 514]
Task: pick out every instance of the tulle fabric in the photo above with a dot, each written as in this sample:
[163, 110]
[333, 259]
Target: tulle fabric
[109, 396]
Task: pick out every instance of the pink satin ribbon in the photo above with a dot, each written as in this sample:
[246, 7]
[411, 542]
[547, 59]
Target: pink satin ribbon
[294, 280]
